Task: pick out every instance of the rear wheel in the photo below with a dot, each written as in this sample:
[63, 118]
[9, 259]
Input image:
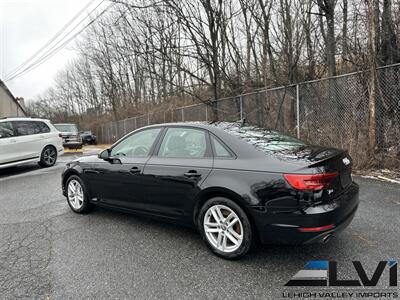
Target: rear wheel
[77, 197]
[48, 157]
[225, 228]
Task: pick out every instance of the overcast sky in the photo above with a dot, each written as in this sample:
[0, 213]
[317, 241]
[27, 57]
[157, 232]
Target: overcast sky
[26, 25]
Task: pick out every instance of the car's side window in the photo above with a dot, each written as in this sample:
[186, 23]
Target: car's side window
[136, 145]
[24, 128]
[6, 130]
[183, 142]
[219, 149]
[42, 127]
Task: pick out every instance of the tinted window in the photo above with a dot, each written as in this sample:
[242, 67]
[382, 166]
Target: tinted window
[25, 127]
[30, 127]
[183, 142]
[6, 130]
[136, 145]
[220, 150]
[42, 127]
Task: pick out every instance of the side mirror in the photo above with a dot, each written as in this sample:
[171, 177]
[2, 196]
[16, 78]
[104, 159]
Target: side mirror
[106, 155]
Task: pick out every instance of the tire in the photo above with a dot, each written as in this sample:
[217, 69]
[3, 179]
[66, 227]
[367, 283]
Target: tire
[48, 158]
[221, 222]
[78, 201]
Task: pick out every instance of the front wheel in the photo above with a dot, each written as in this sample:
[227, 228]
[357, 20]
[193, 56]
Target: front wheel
[225, 228]
[48, 158]
[77, 197]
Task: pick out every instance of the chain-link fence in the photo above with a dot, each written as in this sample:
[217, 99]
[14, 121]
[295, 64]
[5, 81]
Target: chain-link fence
[333, 112]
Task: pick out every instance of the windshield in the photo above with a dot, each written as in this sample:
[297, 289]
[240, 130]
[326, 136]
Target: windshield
[66, 127]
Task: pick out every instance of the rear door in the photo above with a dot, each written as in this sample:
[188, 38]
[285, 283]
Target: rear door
[175, 173]
[29, 139]
[9, 150]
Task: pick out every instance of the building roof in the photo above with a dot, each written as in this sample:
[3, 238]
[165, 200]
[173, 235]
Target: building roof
[5, 88]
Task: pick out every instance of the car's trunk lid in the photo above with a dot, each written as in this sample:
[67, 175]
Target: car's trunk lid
[311, 159]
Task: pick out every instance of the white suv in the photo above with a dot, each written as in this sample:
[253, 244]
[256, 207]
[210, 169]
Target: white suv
[24, 140]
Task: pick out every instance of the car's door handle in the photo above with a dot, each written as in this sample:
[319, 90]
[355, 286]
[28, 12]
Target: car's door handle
[134, 170]
[192, 174]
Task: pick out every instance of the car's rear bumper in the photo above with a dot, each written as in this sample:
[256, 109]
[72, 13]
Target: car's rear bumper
[312, 225]
[72, 145]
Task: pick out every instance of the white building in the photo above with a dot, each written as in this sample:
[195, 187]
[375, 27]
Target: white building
[9, 105]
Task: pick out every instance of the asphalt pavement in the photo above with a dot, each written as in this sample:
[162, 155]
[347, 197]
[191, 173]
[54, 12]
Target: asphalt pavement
[49, 252]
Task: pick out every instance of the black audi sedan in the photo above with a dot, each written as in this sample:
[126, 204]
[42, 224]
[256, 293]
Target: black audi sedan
[236, 185]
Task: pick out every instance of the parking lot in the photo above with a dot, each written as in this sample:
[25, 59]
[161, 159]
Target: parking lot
[46, 251]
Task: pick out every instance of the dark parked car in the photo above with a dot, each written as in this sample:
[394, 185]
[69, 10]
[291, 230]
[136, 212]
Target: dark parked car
[235, 188]
[70, 135]
[88, 137]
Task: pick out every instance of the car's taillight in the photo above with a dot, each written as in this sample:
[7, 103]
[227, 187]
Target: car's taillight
[310, 181]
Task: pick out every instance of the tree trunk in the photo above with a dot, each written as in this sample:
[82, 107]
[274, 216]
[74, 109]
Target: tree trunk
[373, 73]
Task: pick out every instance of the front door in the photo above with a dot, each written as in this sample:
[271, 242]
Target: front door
[175, 173]
[118, 182]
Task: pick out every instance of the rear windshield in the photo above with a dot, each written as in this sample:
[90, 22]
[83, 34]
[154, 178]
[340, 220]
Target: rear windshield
[265, 140]
[66, 127]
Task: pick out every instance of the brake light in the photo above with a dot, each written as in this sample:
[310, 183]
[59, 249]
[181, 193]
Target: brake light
[310, 181]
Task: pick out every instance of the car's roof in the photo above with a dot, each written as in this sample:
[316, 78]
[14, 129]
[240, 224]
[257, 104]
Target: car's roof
[64, 124]
[23, 119]
[185, 124]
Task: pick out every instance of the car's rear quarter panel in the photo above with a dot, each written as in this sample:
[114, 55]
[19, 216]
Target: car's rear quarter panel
[276, 208]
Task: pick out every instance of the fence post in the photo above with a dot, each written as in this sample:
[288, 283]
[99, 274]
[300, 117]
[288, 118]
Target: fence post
[183, 115]
[124, 126]
[102, 134]
[206, 112]
[241, 107]
[148, 119]
[298, 110]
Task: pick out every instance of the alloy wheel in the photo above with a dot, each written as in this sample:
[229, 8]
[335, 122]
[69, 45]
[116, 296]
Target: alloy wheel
[223, 228]
[49, 156]
[75, 194]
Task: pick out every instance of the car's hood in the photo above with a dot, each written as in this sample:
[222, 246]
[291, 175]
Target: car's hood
[91, 157]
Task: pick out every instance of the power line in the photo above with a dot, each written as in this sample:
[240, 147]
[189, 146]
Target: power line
[51, 51]
[50, 41]
[55, 48]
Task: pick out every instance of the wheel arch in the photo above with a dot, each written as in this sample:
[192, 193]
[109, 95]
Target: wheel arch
[49, 145]
[213, 192]
[68, 173]
[44, 147]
